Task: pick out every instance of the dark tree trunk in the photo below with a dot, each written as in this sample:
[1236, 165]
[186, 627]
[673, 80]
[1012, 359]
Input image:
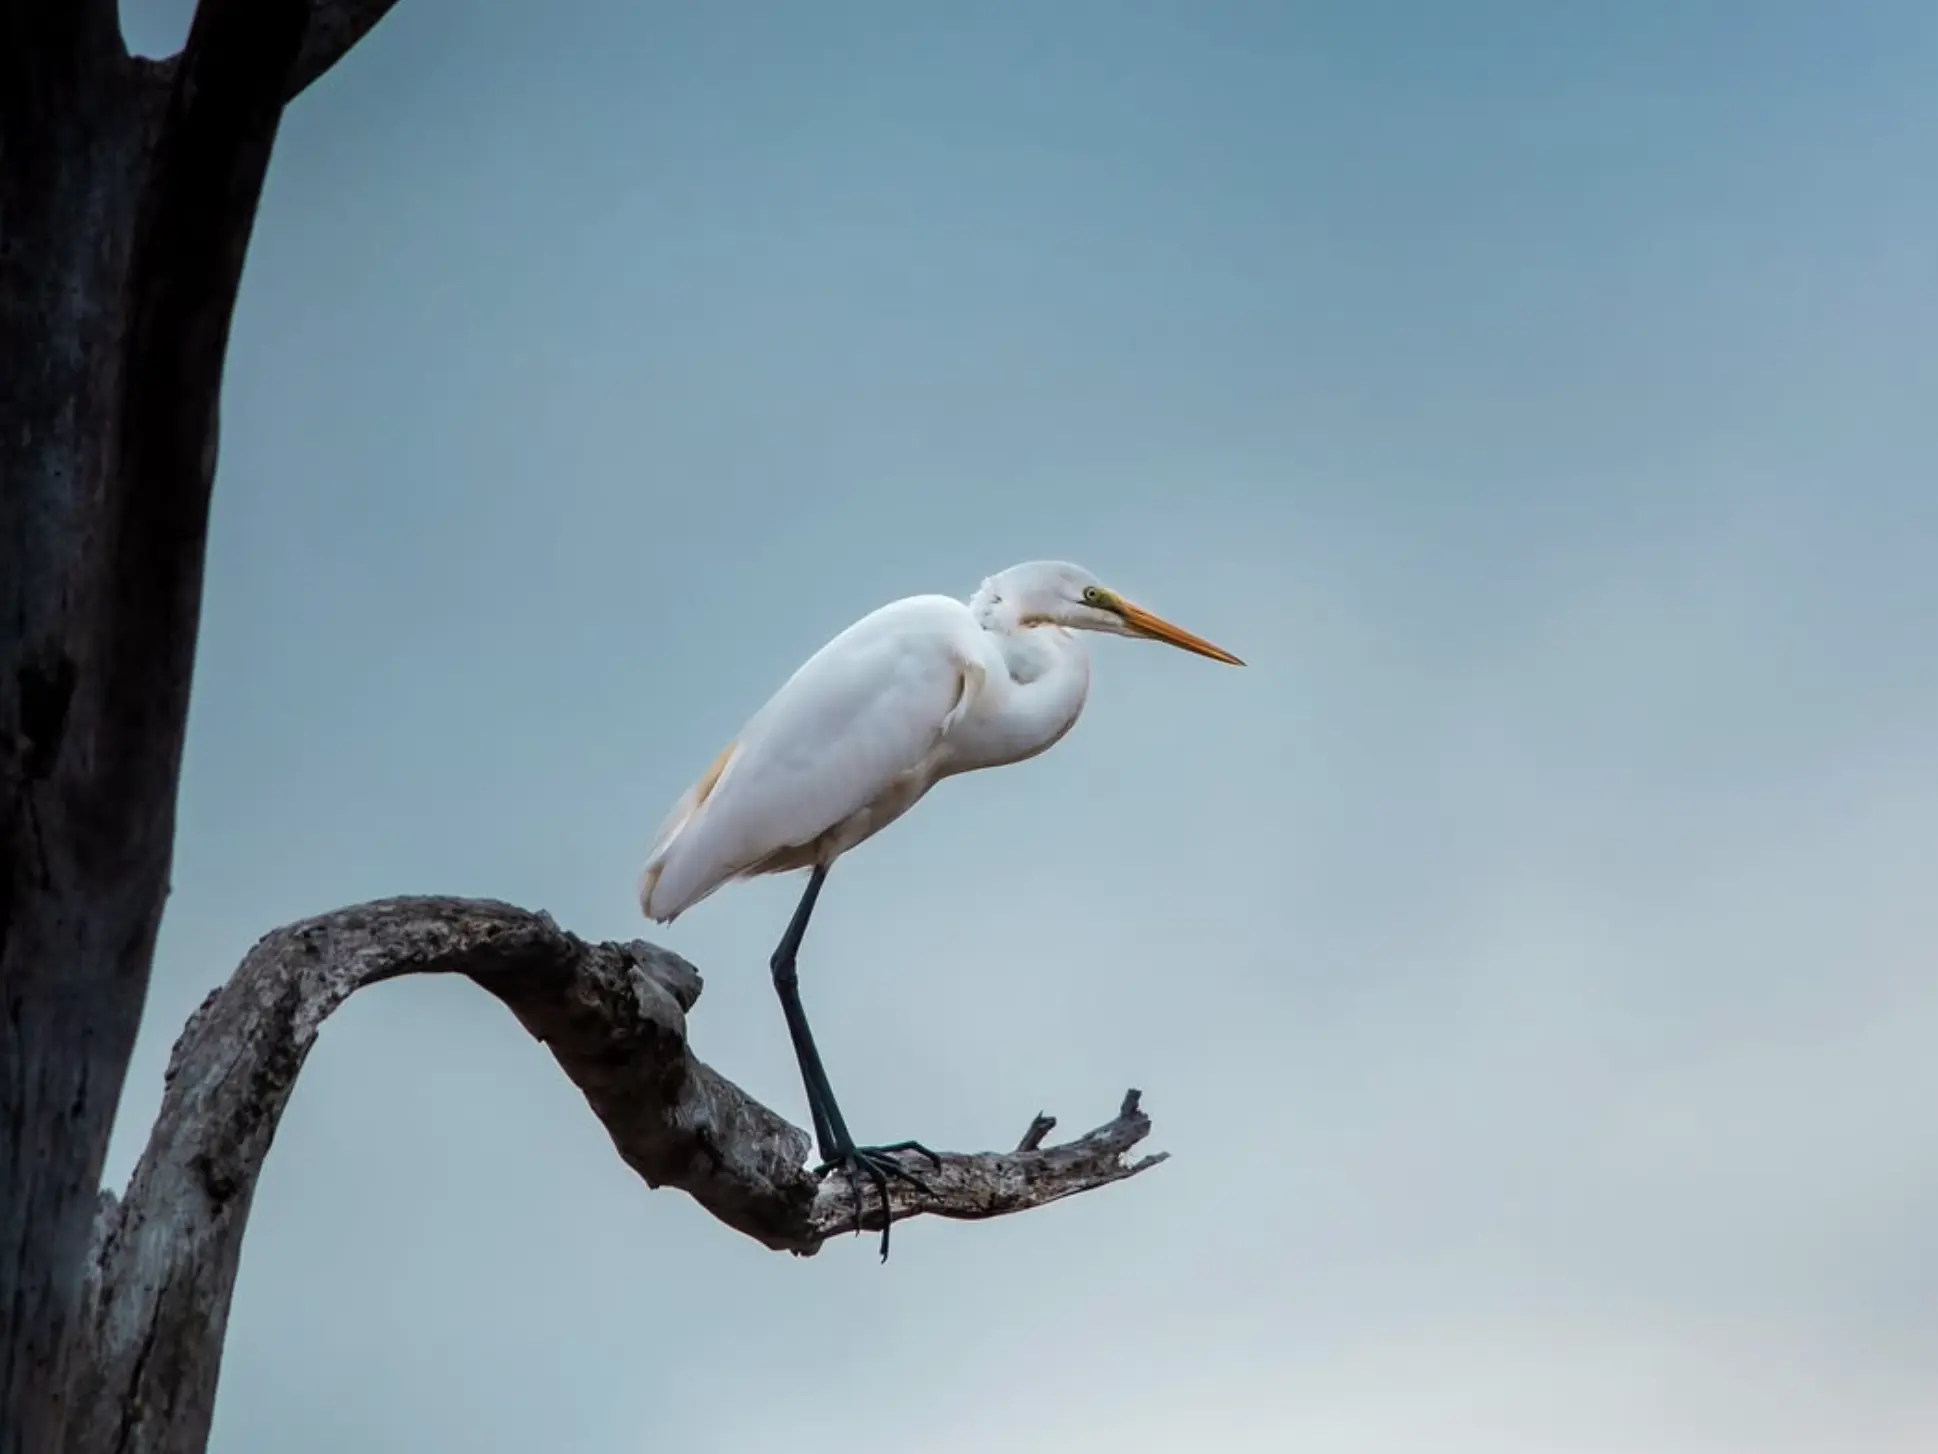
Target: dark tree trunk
[127, 190]
[81, 876]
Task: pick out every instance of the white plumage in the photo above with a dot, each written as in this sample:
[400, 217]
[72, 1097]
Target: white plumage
[852, 739]
[916, 691]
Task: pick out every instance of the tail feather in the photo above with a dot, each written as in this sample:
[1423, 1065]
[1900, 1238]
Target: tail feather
[655, 905]
[648, 883]
[662, 898]
[653, 902]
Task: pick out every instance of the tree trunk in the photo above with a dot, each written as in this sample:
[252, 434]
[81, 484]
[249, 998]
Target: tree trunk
[81, 878]
[127, 190]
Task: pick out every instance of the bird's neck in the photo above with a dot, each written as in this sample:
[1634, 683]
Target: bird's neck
[1031, 701]
[1037, 652]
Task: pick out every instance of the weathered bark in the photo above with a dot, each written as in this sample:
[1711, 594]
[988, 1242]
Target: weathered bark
[614, 1018]
[127, 192]
[71, 148]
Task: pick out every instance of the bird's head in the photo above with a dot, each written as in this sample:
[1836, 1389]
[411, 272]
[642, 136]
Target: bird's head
[1056, 593]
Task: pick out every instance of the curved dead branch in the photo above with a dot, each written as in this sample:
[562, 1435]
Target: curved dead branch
[614, 1018]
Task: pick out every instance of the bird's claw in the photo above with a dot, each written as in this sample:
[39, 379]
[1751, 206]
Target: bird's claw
[878, 1164]
[900, 1146]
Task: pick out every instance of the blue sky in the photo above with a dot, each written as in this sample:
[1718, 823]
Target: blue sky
[1527, 959]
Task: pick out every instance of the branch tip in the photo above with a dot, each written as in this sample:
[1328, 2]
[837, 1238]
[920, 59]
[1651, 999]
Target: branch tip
[1039, 1128]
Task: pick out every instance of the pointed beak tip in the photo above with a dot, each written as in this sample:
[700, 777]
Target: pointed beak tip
[1156, 628]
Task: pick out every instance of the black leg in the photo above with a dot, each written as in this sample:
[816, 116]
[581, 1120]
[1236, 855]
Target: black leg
[837, 1147]
[787, 986]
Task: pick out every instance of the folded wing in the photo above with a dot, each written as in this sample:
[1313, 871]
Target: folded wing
[847, 729]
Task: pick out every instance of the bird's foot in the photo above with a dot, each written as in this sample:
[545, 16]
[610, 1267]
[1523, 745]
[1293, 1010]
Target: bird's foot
[877, 1164]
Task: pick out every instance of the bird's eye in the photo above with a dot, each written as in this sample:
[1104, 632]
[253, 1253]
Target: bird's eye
[1093, 595]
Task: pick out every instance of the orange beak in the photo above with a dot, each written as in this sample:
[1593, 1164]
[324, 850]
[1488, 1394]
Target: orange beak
[1158, 629]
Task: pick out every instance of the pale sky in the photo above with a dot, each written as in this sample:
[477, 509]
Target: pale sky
[1527, 960]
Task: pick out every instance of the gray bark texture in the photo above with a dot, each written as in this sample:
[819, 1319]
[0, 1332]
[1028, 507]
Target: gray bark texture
[128, 190]
[164, 1260]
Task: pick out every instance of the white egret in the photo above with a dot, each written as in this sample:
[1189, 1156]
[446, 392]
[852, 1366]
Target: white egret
[919, 690]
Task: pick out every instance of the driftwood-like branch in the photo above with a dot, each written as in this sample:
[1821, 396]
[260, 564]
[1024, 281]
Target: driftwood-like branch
[614, 1018]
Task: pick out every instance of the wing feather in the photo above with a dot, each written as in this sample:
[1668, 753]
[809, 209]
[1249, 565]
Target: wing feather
[849, 727]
